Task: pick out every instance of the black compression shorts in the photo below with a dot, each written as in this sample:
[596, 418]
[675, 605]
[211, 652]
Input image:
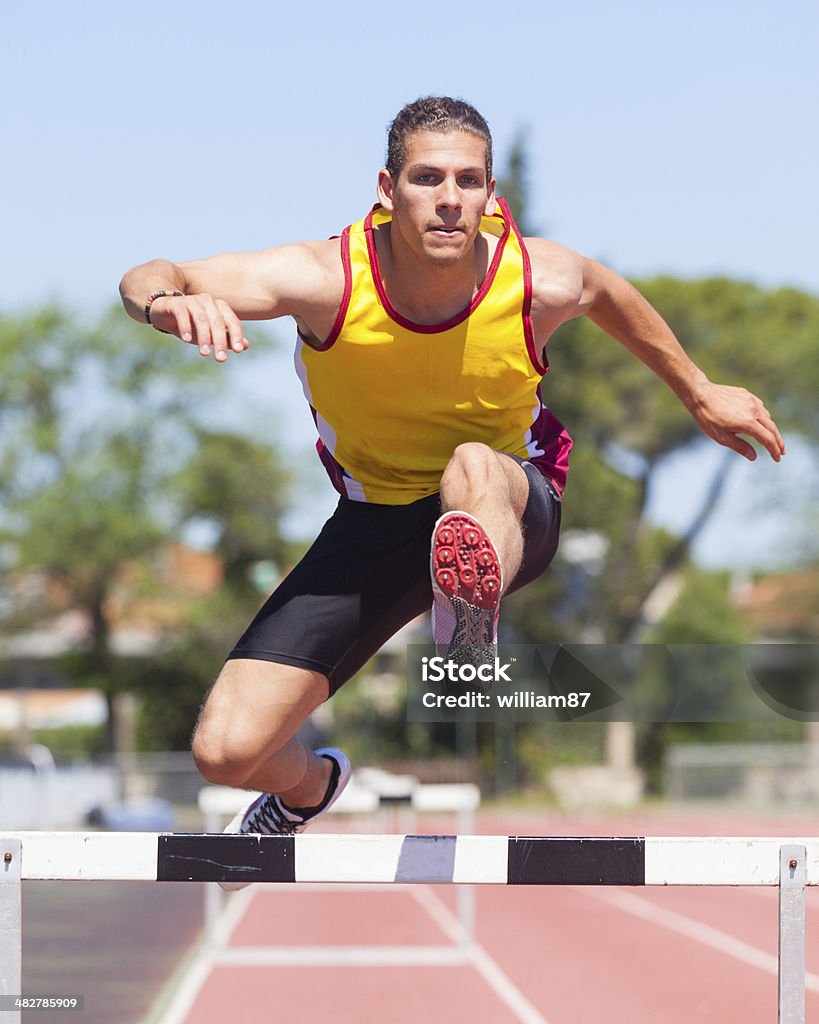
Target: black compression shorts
[367, 575]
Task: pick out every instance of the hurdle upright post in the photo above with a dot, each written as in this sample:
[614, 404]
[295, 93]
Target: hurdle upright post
[463, 798]
[792, 879]
[11, 927]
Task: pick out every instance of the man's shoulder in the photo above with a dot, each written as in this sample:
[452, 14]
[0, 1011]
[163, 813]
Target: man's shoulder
[312, 268]
[312, 254]
[557, 273]
[545, 251]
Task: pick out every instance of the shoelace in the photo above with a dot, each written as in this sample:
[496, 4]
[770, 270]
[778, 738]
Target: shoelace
[268, 819]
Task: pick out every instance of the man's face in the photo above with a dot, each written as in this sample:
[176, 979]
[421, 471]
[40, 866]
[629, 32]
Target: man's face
[440, 194]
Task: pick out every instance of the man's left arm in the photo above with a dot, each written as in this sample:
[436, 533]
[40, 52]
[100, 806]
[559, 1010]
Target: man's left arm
[721, 411]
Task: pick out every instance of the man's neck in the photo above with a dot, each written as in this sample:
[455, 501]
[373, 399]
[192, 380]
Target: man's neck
[425, 292]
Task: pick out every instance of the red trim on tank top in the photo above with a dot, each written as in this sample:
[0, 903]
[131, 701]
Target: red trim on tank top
[410, 325]
[528, 330]
[345, 298]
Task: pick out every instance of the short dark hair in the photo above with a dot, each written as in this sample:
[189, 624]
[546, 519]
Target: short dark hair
[435, 114]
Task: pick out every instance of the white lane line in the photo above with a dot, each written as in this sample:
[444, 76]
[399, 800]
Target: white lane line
[187, 988]
[476, 955]
[196, 972]
[638, 906]
[341, 956]
[232, 914]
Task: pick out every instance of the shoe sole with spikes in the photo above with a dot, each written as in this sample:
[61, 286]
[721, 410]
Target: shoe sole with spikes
[467, 584]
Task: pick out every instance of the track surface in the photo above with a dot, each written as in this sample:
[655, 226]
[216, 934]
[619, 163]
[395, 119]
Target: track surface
[114, 943]
[575, 955]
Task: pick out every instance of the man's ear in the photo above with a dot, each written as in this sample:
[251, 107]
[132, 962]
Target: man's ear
[385, 189]
[491, 204]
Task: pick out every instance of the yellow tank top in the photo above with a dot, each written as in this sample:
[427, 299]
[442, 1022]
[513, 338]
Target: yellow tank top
[392, 399]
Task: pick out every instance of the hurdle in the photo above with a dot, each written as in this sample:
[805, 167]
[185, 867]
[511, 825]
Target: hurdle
[790, 864]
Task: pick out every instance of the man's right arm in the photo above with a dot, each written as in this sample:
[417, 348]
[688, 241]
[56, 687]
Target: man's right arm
[219, 292]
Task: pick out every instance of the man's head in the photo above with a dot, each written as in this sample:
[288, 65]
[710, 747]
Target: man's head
[435, 114]
[438, 181]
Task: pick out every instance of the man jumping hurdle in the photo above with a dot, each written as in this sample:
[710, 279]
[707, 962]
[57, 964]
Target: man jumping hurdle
[421, 349]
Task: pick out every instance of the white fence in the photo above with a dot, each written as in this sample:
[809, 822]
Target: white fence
[751, 773]
[53, 798]
[49, 796]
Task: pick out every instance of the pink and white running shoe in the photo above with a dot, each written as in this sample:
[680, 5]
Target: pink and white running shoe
[467, 584]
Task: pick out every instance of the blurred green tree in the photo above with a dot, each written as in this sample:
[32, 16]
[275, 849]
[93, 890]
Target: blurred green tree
[106, 458]
[626, 424]
[236, 490]
[514, 184]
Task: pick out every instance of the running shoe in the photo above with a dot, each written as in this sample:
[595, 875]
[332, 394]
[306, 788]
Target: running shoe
[268, 816]
[466, 585]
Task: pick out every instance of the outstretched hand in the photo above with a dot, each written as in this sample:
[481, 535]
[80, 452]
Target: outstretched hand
[724, 413]
[201, 320]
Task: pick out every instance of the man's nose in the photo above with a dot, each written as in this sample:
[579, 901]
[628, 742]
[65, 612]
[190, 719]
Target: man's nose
[449, 194]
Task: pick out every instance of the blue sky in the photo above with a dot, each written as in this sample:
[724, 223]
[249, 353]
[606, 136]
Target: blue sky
[663, 138]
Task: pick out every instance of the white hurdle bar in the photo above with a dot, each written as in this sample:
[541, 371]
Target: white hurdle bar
[790, 864]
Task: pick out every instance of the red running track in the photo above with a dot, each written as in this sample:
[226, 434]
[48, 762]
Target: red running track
[545, 955]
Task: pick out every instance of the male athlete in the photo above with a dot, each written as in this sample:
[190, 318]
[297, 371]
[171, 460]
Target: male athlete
[422, 333]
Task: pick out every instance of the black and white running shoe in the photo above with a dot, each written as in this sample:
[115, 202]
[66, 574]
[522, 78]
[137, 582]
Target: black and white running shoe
[268, 816]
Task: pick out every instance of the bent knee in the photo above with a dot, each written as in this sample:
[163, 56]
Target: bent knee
[474, 466]
[471, 459]
[221, 759]
[226, 750]
[251, 712]
[474, 453]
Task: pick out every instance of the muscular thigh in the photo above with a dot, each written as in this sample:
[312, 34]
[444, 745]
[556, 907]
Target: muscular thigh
[255, 707]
